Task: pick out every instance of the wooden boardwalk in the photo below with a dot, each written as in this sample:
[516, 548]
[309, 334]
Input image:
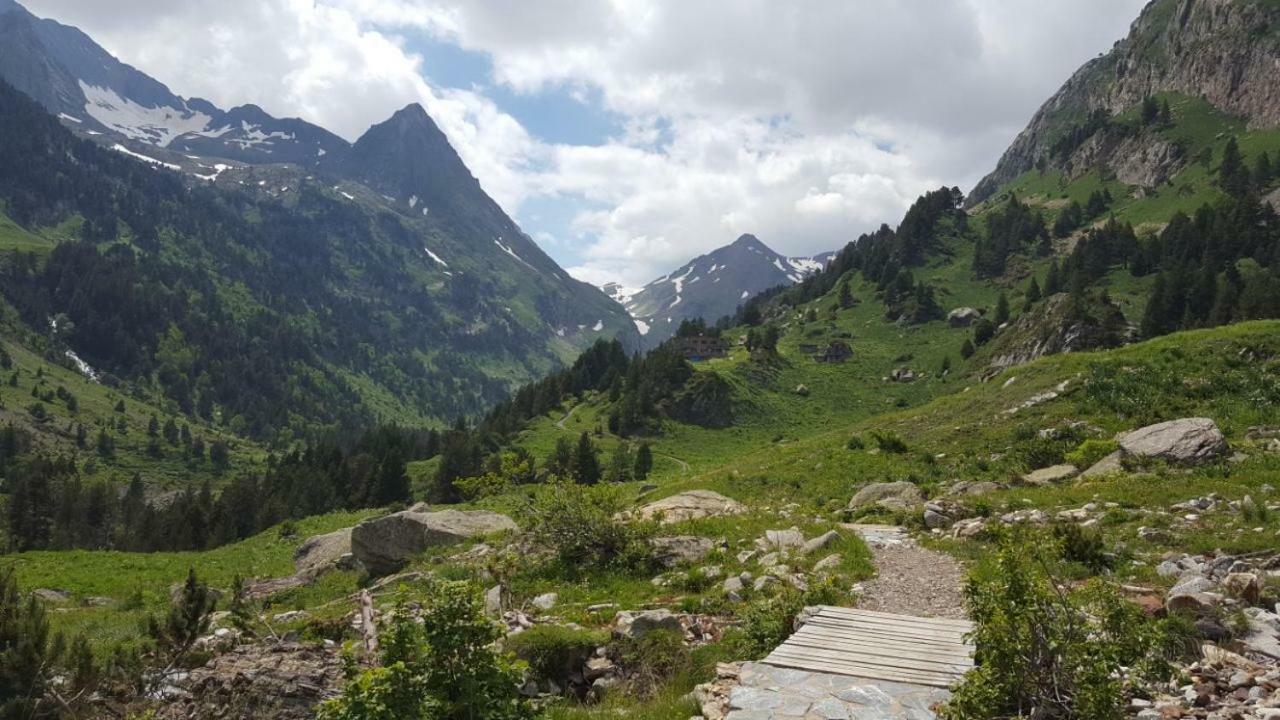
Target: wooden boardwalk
[878, 646]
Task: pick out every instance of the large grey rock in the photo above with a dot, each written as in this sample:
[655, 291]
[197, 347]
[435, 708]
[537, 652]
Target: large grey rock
[899, 495]
[822, 542]
[384, 544]
[320, 553]
[691, 505]
[963, 317]
[681, 549]
[637, 624]
[1188, 441]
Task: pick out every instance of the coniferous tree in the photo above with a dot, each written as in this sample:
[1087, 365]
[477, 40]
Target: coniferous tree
[1233, 177]
[1053, 281]
[1166, 115]
[967, 349]
[1032, 296]
[845, 297]
[1002, 310]
[186, 621]
[1150, 111]
[586, 464]
[560, 462]
[644, 462]
[620, 464]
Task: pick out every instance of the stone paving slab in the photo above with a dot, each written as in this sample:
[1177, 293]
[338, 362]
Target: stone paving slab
[765, 692]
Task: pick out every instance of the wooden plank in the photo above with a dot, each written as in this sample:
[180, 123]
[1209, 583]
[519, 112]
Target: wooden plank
[871, 672]
[870, 658]
[962, 626]
[960, 622]
[874, 635]
[914, 633]
[879, 646]
[866, 661]
[887, 649]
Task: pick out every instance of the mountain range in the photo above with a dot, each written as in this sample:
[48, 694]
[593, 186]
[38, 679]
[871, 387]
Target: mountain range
[711, 286]
[488, 304]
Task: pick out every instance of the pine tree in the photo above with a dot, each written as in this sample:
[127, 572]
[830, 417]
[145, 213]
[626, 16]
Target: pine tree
[644, 462]
[966, 350]
[1053, 281]
[1153, 321]
[846, 295]
[1166, 115]
[620, 464]
[1150, 111]
[560, 461]
[586, 465]
[28, 653]
[153, 427]
[1232, 175]
[186, 621]
[1032, 296]
[1002, 310]
[1263, 173]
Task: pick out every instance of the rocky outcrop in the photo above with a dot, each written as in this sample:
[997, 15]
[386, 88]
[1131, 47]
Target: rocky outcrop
[691, 505]
[900, 495]
[963, 317]
[281, 681]
[384, 544]
[1189, 441]
[1225, 51]
[1055, 329]
[1051, 475]
[635, 625]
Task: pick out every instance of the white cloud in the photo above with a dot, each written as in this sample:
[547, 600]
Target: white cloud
[805, 123]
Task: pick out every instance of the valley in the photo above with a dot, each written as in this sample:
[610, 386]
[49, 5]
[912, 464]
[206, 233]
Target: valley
[327, 434]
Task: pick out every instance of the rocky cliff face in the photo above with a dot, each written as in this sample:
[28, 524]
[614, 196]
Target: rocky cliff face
[1054, 330]
[1226, 51]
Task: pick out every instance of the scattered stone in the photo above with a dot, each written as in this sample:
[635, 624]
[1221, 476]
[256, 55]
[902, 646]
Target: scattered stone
[782, 539]
[974, 487]
[55, 597]
[827, 564]
[282, 681]
[1051, 475]
[822, 542]
[637, 624]
[545, 601]
[384, 544]
[691, 505]
[681, 549]
[1189, 441]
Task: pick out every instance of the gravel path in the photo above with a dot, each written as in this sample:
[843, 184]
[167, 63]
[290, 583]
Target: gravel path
[911, 580]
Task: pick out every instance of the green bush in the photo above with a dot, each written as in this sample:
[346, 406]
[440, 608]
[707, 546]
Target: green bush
[553, 652]
[444, 668]
[651, 659]
[888, 442]
[769, 620]
[1083, 546]
[578, 525]
[1051, 652]
[1091, 451]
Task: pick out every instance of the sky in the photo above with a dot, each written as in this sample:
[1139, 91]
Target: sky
[628, 136]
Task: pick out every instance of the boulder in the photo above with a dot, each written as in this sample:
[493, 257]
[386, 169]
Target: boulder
[1188, 441]
[1051, 475]
[936, 517]
[963, 317]
[51, 596]
[384, 544]
[637, 624]
[320, 553]
[899, 495]
[545, 601]
[828, 564]
[681, 549]
[974, 487]
[1109, 465]
[790, 539]
[691, 505]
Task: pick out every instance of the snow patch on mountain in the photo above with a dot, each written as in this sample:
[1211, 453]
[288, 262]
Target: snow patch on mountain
[139, 156]
[157, 126]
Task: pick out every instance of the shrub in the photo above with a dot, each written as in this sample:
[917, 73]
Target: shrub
[1090, 452]
[444, 667]
[651, 659]
[888, 442]
[578, 525]
[855, 443]
[1050, 652]
[554, 652]
[768, 621]
[1083, 546]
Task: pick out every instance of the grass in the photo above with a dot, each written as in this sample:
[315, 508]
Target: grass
[137, 584]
